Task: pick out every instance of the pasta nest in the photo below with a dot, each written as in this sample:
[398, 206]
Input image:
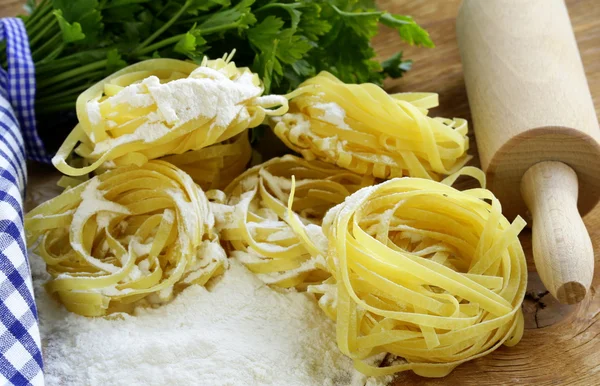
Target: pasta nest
[162, 107]
[430, 274]
[131, 236]
[361, 128]
[253, 220]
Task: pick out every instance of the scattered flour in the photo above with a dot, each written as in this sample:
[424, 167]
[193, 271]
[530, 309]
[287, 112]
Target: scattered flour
[270, 100]
[92, 201]
[236, 332]
[334, 114]
[219, 97]
[93, 110]
[147, 132]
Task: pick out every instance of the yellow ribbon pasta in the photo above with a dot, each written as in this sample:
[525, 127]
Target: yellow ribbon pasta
[253, 218]
[130, 236]
[430, 274]
[163, 106]
[214, 167]
[365, 130]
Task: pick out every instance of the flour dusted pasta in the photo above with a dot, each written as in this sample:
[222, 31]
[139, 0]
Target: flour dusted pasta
[433, 275]
[365, 130]
[128, 236]
[161, 107]
[255, 223]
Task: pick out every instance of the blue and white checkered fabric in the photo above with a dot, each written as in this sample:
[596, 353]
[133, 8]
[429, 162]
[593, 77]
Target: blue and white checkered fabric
[20, 346]
[18, 84]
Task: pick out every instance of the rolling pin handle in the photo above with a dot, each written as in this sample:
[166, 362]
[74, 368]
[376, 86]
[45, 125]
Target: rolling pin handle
[562, 248]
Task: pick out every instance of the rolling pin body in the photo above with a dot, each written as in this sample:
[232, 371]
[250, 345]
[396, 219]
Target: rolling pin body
[531, 104]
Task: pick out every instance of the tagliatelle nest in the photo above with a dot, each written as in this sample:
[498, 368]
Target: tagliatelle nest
[132, 235]
[363, 129]
[161, 107]
[433, 275]
[253, 217]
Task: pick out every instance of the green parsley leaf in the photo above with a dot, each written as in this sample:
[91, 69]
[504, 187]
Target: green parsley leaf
[240, 17]
[346, 50]
[70, 32]
[292, 10]
[312, 25]
[362, 23]
[409, 30]
[277, 47]
[114, 62]
[190, 44]
[263, 34]
[263, 37]
[291, 47]
[395, 67]
[298, 72]
[84, 12]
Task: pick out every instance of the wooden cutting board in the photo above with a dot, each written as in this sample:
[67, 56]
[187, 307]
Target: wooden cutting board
[561, 343]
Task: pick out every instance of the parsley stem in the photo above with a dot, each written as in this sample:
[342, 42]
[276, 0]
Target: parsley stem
[55, 100]
[42, 67]
[224, 27]
[88, 77]
[176, 38]
[280, 5]
[71, 91]
[72, 73]
[43, 25]
[39, 10]
[160, 44]
[72, 60]
[163, 28]
[50, 42]
[355, 14]
[53, 54]
[44, 109]
[197, 20]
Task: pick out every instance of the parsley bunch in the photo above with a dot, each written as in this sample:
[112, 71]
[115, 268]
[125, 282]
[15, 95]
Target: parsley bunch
[75, 44]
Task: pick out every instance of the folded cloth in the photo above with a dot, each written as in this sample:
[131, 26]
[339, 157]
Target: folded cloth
[20, 345]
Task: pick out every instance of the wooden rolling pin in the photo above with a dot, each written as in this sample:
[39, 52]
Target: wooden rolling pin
[536, 129]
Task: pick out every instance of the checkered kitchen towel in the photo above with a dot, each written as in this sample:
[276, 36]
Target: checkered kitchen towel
[20, 347]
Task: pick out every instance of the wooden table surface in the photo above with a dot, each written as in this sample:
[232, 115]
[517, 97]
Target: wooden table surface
[561, 343]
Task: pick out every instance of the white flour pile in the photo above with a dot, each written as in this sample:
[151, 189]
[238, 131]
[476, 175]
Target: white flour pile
[238, 332]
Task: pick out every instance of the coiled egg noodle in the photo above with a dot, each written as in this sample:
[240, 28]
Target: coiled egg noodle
[214, 167]
[363, 129]
[430, 274]
[160, 107]
[130, 236]
[252, 217]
